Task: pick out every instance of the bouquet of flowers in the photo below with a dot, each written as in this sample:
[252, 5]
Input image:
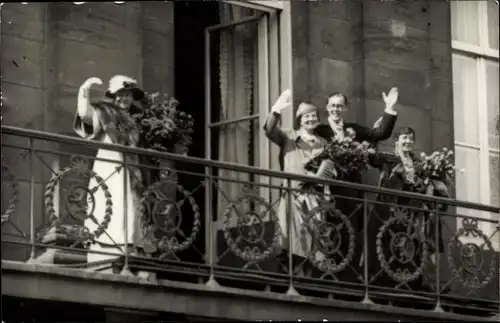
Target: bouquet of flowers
[348, 155]
[163, 127]
[437, 166]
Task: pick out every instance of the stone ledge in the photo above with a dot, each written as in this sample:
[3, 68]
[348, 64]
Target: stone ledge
[53, 283]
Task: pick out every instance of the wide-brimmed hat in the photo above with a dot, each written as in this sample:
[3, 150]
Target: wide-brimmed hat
[120, 83]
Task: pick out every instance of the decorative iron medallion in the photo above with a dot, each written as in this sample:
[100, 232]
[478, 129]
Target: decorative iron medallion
[250, 227]
[12, 204]
[471, 257]
[164, 212]
[402, 246]
[327, 233]
[80, 201]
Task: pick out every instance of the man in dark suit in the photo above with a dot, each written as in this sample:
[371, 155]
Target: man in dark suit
[337, 106]
[335, 129]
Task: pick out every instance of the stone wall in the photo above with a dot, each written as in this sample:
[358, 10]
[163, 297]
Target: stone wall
[49, 49]
[359, 48]
[365, 48]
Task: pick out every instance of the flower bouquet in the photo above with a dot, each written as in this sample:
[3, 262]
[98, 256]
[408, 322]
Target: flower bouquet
[437, 166]
[346, 156]
[163, 127]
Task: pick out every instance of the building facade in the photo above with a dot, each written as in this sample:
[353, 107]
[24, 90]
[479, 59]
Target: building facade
[226, 62]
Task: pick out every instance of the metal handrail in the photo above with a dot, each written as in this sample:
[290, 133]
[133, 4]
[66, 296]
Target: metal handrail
[41, 135]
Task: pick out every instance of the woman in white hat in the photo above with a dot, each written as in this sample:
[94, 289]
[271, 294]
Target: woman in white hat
[297, 147]
[110, 121]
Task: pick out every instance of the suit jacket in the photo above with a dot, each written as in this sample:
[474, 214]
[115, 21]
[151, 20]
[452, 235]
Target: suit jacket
[372, 135]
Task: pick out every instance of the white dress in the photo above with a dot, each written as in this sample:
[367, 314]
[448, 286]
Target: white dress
[123, 216]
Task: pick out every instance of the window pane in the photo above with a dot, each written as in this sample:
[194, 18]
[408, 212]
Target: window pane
[465, 99]
[493, 24]
[492, 100]
[465, 21]
[467, 182]
[235, 74]
[494, 179]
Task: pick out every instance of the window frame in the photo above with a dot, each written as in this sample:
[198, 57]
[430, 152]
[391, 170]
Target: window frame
[274, 75]
[481, 54]
[275, 72]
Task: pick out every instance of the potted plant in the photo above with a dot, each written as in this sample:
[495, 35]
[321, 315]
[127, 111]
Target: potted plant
[163, 127]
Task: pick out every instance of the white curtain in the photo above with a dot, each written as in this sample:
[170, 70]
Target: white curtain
[236, 66]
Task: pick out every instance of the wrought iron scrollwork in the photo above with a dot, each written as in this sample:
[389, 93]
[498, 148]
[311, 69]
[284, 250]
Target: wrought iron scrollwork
[160, 212]
[12, 203]
[251, 228]
[471, 256]
[327, 234]
[402, 246]
[80, 201]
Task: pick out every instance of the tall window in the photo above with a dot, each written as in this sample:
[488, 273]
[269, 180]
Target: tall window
[475, 86]
[248, 59]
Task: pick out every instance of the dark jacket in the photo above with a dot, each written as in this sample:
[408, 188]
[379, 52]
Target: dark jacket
[348, 206]
[392, 177]
[372, 135]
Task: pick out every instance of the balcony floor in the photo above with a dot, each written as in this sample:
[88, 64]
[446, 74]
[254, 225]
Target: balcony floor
[34, 281]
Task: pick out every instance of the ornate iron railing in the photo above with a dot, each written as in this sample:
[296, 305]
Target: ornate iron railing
[203, 221]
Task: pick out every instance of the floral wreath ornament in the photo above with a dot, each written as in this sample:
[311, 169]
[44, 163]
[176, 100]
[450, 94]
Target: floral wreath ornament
[247, 220]
[153, 204]
[470, 253]
[80, 167]
[401, 216]
[321, 231]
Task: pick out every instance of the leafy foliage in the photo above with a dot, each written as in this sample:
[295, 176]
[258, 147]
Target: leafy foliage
[163, 126]
[437, 166]
[349, 156]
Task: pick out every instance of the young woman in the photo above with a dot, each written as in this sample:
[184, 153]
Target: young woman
[297, 147]
[110, 121]
[401, 229]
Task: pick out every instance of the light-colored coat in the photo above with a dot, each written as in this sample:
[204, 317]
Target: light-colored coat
[295, 151]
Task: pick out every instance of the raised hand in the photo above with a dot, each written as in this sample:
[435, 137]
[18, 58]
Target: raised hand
[284, 101]
[391, 98]
[91, 81]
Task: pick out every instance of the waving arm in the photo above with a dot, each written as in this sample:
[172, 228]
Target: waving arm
[271, 128]
[383, 127]
[86, 123]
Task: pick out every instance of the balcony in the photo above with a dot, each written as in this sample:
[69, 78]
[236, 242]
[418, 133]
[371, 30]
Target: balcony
[210, 243]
